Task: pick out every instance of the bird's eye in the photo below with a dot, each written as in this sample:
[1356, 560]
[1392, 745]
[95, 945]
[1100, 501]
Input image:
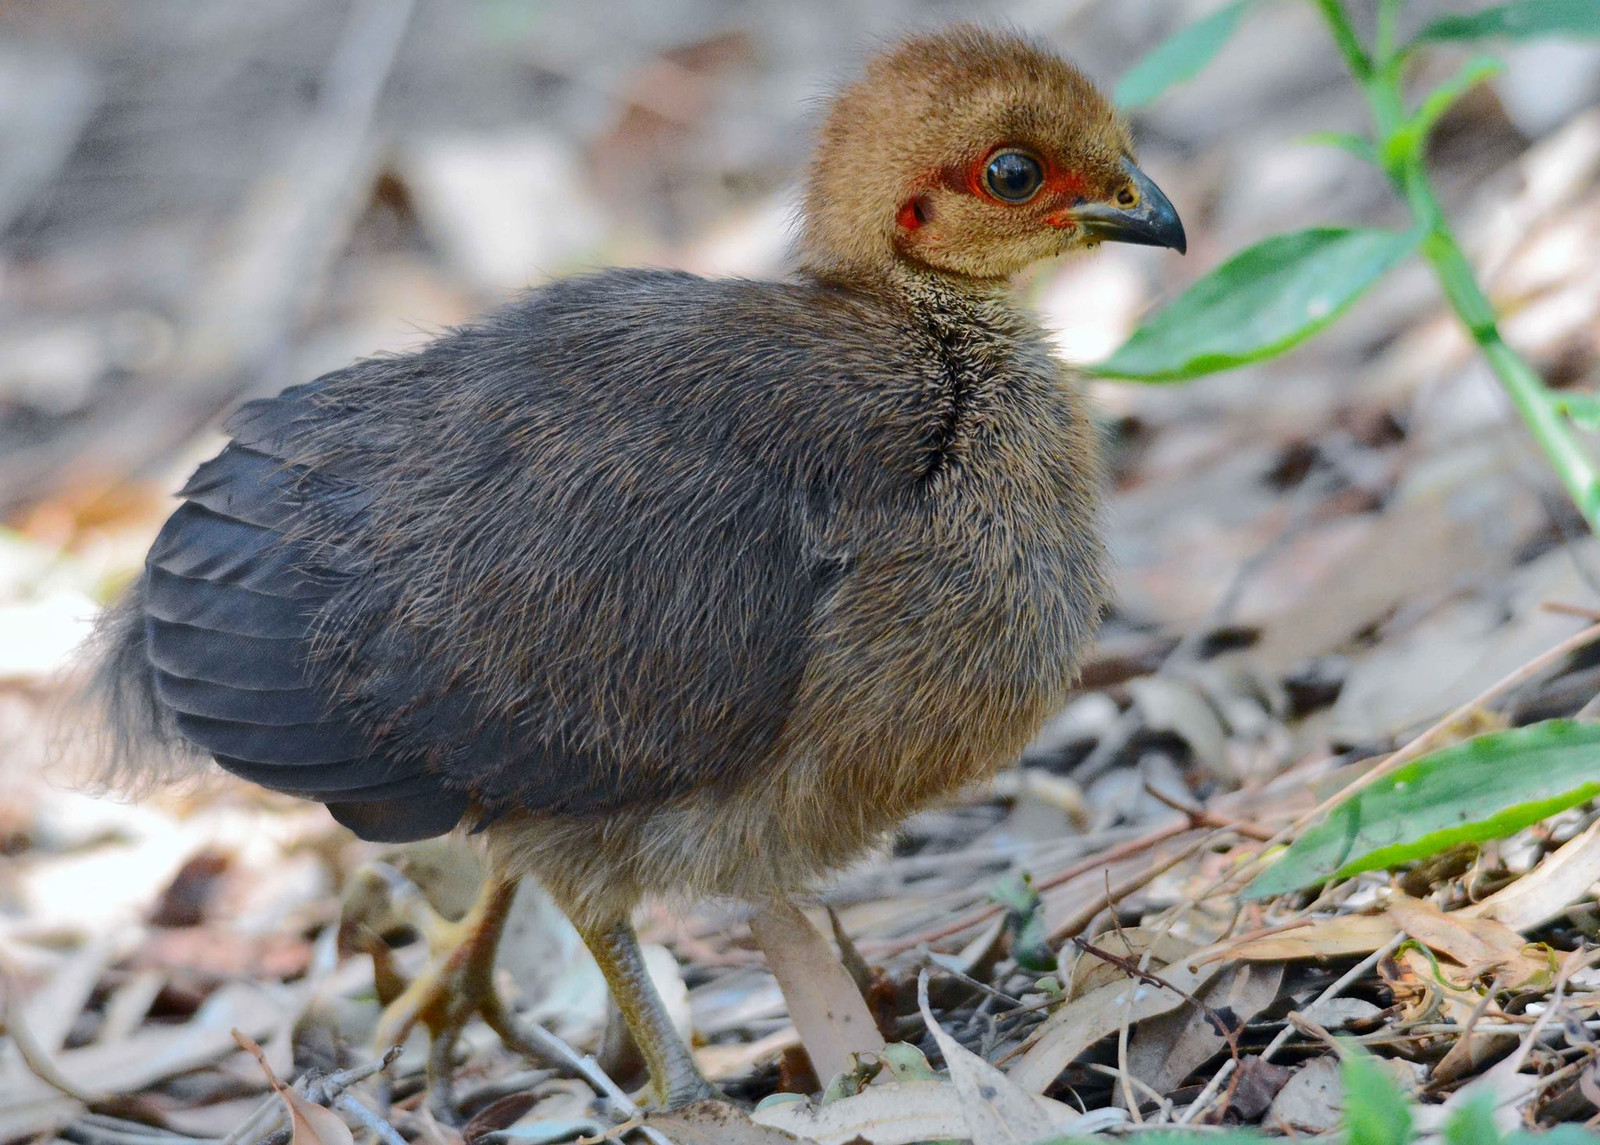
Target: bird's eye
[1013, 176]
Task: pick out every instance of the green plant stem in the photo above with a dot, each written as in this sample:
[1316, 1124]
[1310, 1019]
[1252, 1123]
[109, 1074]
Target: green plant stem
[1388, 13]
[1344, 35]
[1528, 393]
[1380, 80]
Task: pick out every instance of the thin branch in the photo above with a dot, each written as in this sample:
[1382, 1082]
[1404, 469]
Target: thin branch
[1355, 973]
[980, 915]
[1133, 970]
[1201, 817]
[384, 1131]
[538, 1042]
[1077, 922]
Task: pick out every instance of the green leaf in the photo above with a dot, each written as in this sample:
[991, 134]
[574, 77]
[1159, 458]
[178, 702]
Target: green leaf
[1408, 141]
[1485, 788]
[1560, 1135]
[1358, 145]
[1261, 302]
[906, 1062]
[1030, 941]
[1375, 1111]
[1582, 410]
[1473, 1124]
[1519, 20]
[1180, 57]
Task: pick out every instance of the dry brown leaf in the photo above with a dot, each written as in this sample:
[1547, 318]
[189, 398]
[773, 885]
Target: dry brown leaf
[312, 1124]
[498, 1114]
[717, 1123]
[29, 1106]
[1177, 706]
[1253, 1086]
[1560, 879]
[1480, 945]
[1336, 937]
[735, 1059]
[1312, 1101]
[309, 1123]
[1412, 996]
[1078, 1024]
[1426, 987]
[1469, 1053]
[1334, 1014]
[824, 1003]
[998, 1111]
[1468, 941]
[50, 1012]
[1166, 1049]
[904, 1114]
[881, 1114]
[1090, 972]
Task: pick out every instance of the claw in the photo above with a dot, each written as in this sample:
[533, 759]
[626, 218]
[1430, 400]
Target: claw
[457, 985]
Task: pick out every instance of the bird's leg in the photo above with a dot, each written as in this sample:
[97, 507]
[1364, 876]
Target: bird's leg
[677, 1081]
[454, 987]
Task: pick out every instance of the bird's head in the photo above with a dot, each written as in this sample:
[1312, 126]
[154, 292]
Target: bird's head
[973, 153]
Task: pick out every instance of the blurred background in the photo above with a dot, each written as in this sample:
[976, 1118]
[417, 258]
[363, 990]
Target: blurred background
[204, 201]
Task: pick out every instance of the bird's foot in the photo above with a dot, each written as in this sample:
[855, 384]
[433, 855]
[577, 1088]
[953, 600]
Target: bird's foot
[682, 1086]
[456, 986]
[675, 1079]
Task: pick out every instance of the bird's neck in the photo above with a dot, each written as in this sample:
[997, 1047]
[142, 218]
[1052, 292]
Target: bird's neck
[953, 307]
[975, 334]
[943, 302]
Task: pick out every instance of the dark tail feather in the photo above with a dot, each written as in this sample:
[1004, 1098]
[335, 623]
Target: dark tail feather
[136, 744]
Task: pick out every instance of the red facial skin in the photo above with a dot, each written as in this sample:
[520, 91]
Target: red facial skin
[1063, 189]
[910, 215]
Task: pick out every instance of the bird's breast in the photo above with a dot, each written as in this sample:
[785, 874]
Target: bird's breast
[968, 606]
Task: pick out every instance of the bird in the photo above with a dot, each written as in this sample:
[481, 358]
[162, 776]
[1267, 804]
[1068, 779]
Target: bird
[672, 586]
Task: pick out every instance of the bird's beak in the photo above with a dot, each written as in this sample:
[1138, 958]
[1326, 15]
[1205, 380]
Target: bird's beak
[1152, 221]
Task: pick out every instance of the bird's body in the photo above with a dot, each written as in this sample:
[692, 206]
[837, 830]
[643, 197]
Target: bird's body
[716, 580]
[669, 585]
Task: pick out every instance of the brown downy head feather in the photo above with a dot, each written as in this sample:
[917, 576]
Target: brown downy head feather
[899, 168]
